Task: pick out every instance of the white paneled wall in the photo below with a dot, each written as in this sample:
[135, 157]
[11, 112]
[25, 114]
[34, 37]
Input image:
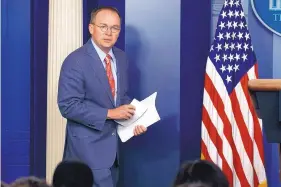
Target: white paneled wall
[65, 35]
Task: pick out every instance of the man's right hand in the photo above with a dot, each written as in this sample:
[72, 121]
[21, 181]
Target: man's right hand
[122, 112]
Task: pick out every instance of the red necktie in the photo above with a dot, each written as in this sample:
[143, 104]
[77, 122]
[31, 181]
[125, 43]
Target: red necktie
[109, 74]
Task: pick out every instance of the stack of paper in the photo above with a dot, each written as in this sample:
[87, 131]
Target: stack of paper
[145, 114]
[140, 109]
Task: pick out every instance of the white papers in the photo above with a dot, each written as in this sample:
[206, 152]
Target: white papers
[140, 110]
[147, 118]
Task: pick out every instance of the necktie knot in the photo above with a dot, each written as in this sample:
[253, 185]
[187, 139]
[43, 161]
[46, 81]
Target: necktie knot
[107, 58]
[109, 74]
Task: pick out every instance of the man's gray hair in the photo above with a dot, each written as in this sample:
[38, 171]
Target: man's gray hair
[97, 10]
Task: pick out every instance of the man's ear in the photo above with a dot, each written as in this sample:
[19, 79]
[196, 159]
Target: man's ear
[91, 28]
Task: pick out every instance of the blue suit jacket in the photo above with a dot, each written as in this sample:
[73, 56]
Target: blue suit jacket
[84, 98]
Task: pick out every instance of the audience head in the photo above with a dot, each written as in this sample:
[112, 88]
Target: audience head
[3, 184]
[200, 173]
[73, 174]
[29, 182]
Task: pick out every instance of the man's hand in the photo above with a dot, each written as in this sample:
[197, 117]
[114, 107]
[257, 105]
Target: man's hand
[122, 112]
[139, 129]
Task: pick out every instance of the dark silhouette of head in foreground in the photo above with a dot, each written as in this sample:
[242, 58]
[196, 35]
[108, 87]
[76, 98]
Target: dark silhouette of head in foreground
[73, 174]
[200, 173]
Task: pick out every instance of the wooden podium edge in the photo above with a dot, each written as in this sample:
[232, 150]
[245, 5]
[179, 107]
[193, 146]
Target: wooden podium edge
[264, 85]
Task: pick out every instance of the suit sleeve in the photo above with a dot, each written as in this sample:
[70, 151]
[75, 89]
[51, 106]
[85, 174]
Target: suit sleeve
[125, 99]
[71, 102]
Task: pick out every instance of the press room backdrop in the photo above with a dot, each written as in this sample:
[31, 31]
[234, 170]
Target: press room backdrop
[167, 44]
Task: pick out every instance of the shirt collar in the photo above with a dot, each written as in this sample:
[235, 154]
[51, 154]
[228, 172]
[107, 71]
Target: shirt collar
[102, 54]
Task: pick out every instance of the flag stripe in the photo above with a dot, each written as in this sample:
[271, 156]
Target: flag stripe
[258, 147]
[212, 148]
[216, 138]
[252, 74]
[217, 93]
[248, 119]
[257, 126]
[204, 149]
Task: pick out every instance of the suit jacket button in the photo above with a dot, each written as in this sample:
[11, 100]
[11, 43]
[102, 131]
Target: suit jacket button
[113, 134]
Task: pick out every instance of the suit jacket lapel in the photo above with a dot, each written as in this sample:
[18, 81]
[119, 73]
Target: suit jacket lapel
[99, 70]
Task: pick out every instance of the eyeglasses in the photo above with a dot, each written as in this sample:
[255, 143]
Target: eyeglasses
[104, 28]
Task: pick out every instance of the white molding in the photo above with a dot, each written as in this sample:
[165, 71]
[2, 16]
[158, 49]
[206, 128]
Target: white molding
[65, 35]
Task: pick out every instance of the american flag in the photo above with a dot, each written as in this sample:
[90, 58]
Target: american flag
[231, 130]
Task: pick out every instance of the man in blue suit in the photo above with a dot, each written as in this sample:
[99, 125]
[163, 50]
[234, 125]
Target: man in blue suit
[92, 93]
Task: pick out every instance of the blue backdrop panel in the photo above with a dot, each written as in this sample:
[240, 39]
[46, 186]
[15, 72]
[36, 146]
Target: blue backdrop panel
[15, 96]
[38, 66]
[88, 6]
[152, 42]
[195, 43]
[276, 57]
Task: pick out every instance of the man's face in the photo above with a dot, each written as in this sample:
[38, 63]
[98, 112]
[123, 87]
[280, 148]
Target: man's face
[105, 29]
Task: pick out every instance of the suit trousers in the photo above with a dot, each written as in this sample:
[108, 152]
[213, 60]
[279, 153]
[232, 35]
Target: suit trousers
[106, 177]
